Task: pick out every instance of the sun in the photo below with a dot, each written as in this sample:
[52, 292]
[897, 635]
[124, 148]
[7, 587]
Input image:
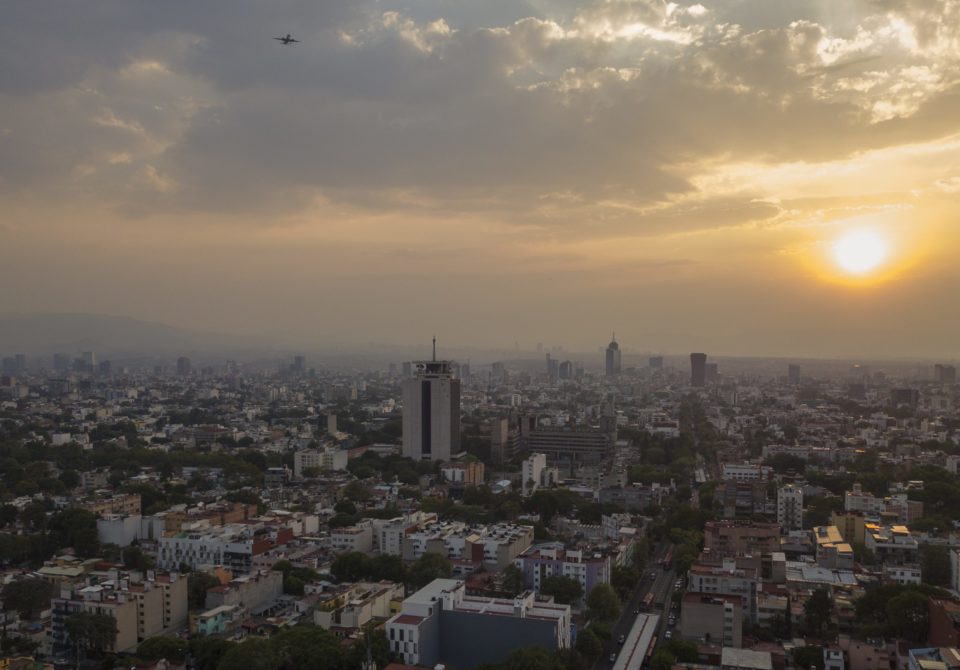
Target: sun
[860, 252]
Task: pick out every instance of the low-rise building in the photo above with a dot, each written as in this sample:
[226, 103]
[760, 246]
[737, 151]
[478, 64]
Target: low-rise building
[542, 561]
[256, 591]
[353, 606]
[712, 619]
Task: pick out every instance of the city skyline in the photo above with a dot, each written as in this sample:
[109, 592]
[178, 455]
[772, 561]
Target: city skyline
[741, 177]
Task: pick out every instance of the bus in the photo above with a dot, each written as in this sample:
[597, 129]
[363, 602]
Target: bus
[648, 600]
[667, 561]
[649, 654]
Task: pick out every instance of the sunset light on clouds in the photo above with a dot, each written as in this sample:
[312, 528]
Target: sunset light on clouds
[649, 165]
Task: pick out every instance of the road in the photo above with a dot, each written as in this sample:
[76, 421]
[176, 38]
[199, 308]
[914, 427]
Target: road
[654, 580]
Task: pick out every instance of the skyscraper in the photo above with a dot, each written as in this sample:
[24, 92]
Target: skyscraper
[793, 375]
[613, 357]
[183, 366]
[945, 374]
[431, 411]
[698, 369]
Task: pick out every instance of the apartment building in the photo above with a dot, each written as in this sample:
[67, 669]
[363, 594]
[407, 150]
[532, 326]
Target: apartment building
[540, 562]
[352, 607]
[727, 579]
[441, 624]
[712, 619]
[732, 538]
[232, 546]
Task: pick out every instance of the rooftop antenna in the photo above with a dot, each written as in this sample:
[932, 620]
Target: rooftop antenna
[434, 348]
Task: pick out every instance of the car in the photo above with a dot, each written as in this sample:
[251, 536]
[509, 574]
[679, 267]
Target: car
[621, 639]
[636, 611]
[668, 635]
[613, 657]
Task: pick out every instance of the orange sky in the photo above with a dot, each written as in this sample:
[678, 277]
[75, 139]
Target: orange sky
[511, 171]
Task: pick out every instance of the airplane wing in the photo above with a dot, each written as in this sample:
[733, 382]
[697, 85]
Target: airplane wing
[292, 40]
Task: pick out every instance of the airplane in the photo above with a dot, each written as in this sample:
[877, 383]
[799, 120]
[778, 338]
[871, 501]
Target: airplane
[286, 39]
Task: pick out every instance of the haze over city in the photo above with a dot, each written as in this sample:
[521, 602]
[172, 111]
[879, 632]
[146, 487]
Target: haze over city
[751, 177]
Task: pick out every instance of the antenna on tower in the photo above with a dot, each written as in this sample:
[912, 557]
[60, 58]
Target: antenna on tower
[434, 348]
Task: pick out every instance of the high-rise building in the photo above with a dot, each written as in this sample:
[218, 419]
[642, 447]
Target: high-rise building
[183, 366]
[793, 375]
[553, 367]
[431, 411]
[945, 374]
[299, 364]
[698, 369]
[790, 507]
[613, 357]
[711, 373]
[61, 362]
[565, 370]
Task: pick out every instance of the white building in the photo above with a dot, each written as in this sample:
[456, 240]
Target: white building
[790, 507]
[353, 538]
[323, 460]
[533, 468]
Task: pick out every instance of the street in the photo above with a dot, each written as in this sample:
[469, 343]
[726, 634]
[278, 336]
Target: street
[654, 579]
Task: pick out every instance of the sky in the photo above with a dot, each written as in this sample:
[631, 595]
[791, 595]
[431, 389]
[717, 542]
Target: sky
[490, 172]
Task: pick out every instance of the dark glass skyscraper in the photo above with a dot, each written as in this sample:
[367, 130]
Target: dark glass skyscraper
[613, 358]
[698, 369]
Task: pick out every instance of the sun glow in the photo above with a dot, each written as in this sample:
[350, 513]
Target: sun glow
[860, 252]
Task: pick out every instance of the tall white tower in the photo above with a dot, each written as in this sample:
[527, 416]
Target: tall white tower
[431, 410]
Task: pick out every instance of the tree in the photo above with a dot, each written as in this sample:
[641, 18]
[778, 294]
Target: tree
[135, 559]
[206, 652]
[662, 659]
[808, 657]
[935, 565]
[684, 650]
[428, 567]
[512, 577]
[589, 644]
[70, 478]
[345, 507]
[27, 596]
[170, 648]
[375, 641]
[603, 603]
[252, 654]
[356, 491]
[91, 632]
[197, 585]
[624, 581]
[351, 566]
[389, 567]
[907, 615]
[818, 613]
[565, 590]
[310, 648]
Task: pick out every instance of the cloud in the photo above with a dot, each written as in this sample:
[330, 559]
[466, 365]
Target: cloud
[620, 104]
